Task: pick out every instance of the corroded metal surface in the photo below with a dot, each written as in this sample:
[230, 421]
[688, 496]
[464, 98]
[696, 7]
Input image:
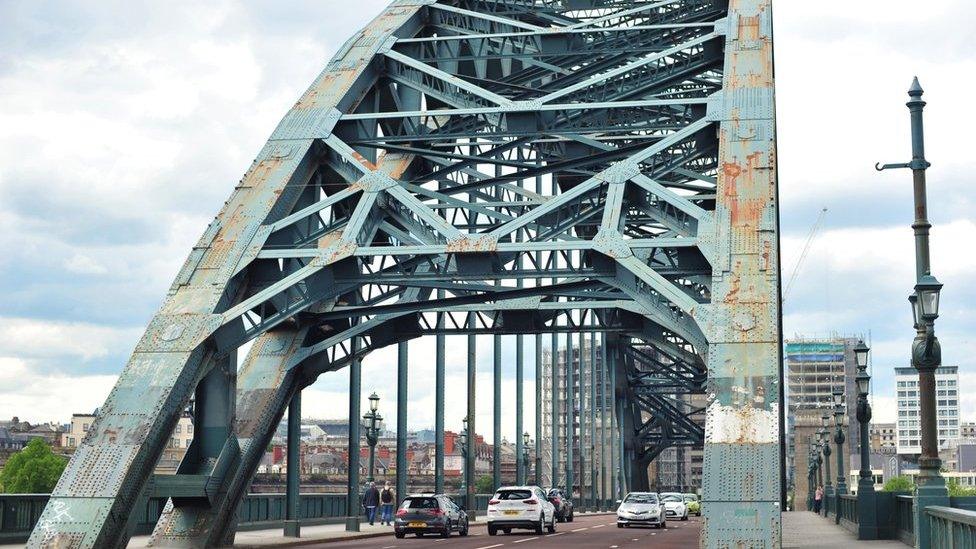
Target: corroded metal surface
[742, 432]
[451, 154]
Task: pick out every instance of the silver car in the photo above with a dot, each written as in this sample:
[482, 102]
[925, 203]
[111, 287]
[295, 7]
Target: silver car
[641, 509]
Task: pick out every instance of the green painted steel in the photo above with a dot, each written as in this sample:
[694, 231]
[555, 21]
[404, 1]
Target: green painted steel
[294, 471]
[654, 125]
[403, 358]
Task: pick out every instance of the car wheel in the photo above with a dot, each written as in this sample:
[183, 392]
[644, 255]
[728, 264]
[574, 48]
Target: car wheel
[570, 519]
[552, 525]
[542, 524]
[620, 525]
[507, 531]
[685, 517]
[398, 535]
[463, 532]
[492, 530]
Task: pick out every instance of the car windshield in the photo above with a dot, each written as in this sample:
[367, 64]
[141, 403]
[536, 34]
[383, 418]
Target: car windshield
[670, 497]
[641, 498]
[420, 503]
[690, 497]
[513, 494]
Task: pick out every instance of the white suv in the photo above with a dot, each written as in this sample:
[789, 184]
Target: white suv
[520, 507]
[674, 505]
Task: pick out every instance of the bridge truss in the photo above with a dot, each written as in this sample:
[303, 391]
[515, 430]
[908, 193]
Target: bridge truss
[480, 166]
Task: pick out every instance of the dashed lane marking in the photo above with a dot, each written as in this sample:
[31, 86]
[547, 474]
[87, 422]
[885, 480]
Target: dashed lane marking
[599, 525]
[490, 546]
[580, 529]
[554, 535]
[526, 539]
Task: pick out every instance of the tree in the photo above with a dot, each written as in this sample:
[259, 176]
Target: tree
[33, 470]
[484, 485]
[899, 484]
[955, 490]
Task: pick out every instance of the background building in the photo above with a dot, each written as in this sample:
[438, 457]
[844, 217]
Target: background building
[582, 419]
[815, 367]
[947, 408]
[882, 435]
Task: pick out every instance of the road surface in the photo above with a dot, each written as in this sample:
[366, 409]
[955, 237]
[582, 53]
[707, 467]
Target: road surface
[591, 532]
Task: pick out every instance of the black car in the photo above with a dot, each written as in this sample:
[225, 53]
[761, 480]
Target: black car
[564, 506]
[429, 514]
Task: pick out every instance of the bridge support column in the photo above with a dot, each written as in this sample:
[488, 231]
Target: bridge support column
[439, 404]
[496, 411]
[538, 410]
[742, 431]
[402, 396]
[293, 487]
[353, 502]
[520, 464]
[472, 446]
[570, 414]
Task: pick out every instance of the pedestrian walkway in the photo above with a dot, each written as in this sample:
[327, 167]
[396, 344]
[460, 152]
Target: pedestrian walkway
[806, 529]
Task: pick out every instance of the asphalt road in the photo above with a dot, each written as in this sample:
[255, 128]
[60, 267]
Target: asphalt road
[586, 531]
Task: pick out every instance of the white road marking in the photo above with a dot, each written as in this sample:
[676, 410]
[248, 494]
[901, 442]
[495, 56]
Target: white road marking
[614, 547]
[526, 539]
[490, 546]
[554, 535]
[599, 525]
[635, 539]
[581, 529]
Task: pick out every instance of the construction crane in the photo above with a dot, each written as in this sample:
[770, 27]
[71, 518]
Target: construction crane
[803, 254]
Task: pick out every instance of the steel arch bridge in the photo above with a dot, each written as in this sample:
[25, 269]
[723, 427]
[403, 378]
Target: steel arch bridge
[480, 166]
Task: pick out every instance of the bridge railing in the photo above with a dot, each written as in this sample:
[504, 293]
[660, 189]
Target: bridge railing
[951, 528]
[20, 512]
[905, 518]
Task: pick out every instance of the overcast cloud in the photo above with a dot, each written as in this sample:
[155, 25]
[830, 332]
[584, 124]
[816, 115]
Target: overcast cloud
[123, 127]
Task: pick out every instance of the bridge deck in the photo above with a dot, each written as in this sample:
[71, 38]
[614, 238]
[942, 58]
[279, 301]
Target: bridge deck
[805, 529]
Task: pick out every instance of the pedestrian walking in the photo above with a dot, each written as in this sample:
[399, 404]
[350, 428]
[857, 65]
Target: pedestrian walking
[371, 499]
[817, 499]
[387, 497]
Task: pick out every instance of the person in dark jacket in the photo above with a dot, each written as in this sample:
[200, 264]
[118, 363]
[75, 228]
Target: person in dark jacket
[371, 499]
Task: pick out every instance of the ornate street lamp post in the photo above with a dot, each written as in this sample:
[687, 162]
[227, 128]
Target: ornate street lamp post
[866, 498]
[926, 353]
[838, 397]
[372, 432]
[824, 435]
[525, 456]
[819, 457]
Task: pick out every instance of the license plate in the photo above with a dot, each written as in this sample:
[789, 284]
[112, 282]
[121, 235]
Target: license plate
[511, 512]
[417, 525]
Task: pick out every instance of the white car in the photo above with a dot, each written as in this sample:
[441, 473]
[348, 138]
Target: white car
[674, 505]
[520, 507]
[641, 508]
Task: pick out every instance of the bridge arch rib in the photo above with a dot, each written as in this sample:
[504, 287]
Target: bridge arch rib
[544, 166]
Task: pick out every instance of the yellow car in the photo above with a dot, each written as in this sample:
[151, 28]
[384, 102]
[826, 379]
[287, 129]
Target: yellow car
[693, 504]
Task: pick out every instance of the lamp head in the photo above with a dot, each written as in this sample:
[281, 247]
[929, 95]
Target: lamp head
[916, 314]
[861, 354]
[525, 438]
[374, 401]
[928, 289]
[838, 397]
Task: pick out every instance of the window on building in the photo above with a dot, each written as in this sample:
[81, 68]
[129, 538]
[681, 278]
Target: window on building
[179, 428]
[189, 429]
[84, 427]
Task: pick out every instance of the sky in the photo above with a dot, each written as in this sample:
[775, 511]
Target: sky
[124, 126]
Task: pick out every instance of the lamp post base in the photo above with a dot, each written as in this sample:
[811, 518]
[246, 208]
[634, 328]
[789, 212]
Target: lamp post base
[293, 529]
[352, 524]
[867, 510]
[930, 490]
